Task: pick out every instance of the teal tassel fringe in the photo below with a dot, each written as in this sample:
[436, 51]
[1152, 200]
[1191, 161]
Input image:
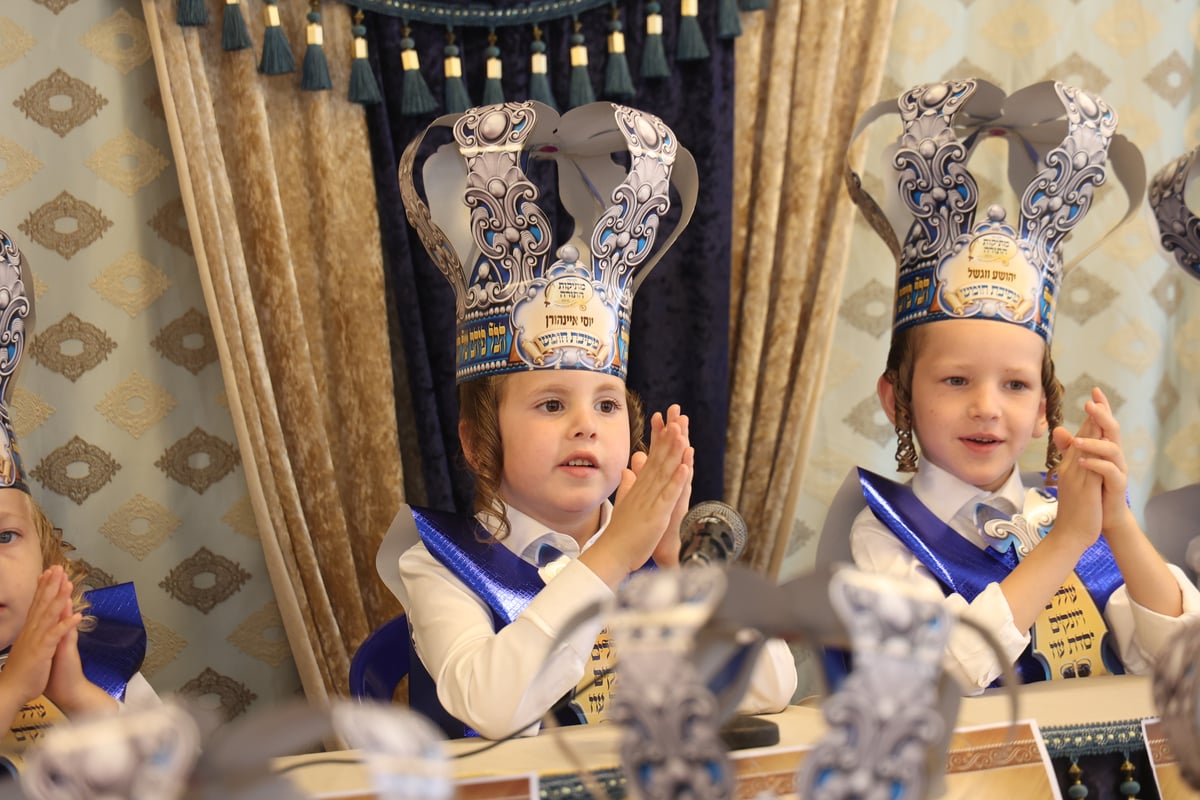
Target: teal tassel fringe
[192, 13]
[654, 59]
[315, 72]
[539, 82]
[234, 35]
[729, 24]
[754, 5]
[581, 92]
[364, 89]
[539, 90]
[416, 99]
[618, 83]
[493, 90]
[654, 54]
[691, 40]
[277, 57]
[457, 99]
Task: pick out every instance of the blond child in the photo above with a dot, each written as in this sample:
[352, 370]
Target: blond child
[41, 609]
[46, 673]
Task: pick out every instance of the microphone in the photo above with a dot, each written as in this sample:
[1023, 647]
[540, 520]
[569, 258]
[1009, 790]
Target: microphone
[711, 533]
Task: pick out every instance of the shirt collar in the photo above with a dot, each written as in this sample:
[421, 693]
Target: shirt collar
[945, 495]
[526, 534]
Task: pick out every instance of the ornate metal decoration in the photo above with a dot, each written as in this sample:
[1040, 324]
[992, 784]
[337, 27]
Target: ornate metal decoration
[1178, 227]
[885, 718]
[670, 744]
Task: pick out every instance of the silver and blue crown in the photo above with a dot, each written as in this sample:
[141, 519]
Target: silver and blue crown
[521, 300]
[1178, 226]
[16, 326]
[1006, 267]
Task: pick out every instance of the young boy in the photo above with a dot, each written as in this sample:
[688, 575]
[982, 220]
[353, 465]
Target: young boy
[505, 608]
[48, 671]
[1179, 233]
[969, 374]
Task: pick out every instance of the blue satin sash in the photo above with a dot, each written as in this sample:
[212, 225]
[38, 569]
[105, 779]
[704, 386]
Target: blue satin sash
[964, 569]
[498, 576]
[114, 650]
[501, 578]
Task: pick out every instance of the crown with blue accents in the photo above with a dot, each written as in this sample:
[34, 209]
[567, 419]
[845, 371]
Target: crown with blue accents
[522, 302]
[1004, 266]
[16, 326]
[1178, 226]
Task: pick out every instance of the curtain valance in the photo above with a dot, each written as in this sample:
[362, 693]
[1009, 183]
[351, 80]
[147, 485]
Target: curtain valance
[471, 50]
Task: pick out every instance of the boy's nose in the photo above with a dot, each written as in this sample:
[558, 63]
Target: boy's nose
[983, 404]
[583, 426]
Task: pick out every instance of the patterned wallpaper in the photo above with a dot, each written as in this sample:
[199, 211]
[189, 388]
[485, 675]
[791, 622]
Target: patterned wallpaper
[120, 409]
[1128, 317]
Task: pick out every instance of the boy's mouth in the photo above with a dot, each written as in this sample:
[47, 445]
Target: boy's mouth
[982, 441]
[579, 462]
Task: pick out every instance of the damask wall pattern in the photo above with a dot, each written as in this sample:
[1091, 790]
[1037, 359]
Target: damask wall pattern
[1127, 318]
[120, 409]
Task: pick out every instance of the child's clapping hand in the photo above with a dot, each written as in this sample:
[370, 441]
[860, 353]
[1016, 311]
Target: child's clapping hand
[1096, 449]
[666, 554]
[648, 502]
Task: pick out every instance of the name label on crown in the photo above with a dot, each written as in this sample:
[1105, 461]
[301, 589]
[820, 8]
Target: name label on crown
[566, 323]
[989, 277]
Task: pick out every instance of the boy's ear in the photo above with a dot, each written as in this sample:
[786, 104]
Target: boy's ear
[467, 442]
[887, 398]
[1042, 425]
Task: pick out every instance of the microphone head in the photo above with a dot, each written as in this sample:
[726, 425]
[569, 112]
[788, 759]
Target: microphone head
[718, 523]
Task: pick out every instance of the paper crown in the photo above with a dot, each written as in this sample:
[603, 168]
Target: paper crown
[1178, 227]
[949, 265]
[520, 302]
[16, 325]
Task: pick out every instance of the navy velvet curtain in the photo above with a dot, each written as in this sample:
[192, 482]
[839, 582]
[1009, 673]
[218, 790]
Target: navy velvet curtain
[679, 342]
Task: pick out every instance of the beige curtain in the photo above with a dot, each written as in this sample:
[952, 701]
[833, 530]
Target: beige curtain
[280, 204]
[805, 71]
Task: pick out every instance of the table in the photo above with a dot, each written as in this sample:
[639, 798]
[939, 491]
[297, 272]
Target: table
[987, 758]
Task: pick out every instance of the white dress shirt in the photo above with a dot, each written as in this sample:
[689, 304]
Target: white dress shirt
[1138, 633]
[498, 682]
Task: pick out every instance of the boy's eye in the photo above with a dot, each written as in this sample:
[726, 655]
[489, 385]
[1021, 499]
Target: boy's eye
[957, 380]
[7, 536]
[1018, 386]
[552, 405]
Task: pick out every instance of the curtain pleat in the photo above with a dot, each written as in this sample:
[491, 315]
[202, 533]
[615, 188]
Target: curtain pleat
[806, 72]
[277, 186]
